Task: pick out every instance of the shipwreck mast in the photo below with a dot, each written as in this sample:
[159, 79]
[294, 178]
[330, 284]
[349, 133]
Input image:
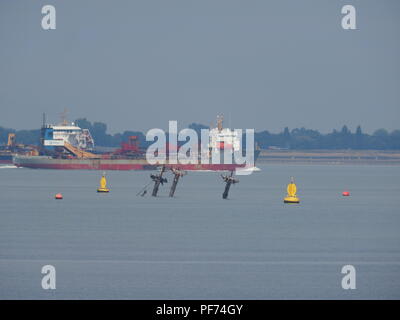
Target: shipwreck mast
[177, 174]
[158, 179]
[229, 180]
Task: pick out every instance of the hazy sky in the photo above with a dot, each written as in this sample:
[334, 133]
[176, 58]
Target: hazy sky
[264, 64]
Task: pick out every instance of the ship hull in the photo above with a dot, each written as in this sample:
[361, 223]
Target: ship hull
[44, 162]
[6, 159]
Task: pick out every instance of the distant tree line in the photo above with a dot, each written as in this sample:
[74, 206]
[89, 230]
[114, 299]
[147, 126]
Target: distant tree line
[303, 138]
[297, 138]
[23, 136]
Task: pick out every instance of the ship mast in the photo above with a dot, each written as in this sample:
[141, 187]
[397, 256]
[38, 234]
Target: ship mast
[228, 181]
[64, 117]
[220, 120]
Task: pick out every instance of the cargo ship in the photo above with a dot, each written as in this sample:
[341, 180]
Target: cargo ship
[67, 146]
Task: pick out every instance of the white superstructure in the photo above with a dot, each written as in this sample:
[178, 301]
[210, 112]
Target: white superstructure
[223, 138]
[70, 133]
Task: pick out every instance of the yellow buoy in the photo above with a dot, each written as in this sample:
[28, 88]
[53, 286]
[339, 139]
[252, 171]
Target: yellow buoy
[291, 193]
[103, 184]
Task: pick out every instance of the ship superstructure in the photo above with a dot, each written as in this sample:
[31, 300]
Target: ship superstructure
[57, 135]
[223, 138]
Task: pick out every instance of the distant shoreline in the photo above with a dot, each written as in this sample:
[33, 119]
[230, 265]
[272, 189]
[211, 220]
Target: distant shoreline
[337, 157]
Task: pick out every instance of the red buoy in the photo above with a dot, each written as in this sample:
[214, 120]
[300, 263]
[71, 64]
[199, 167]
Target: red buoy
[58, 196]
[345, 193]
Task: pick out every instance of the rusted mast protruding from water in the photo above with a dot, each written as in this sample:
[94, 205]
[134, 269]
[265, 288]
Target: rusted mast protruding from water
[177, 174]
[228, 181]
[158, 179]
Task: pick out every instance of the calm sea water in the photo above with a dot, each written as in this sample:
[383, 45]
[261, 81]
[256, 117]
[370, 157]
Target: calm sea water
[197, 245]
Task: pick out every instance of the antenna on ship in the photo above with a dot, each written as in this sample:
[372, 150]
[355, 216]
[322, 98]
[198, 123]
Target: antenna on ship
[228, 181]
[64, 117]
[220, 120]
[158, 179]
[177, 174]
